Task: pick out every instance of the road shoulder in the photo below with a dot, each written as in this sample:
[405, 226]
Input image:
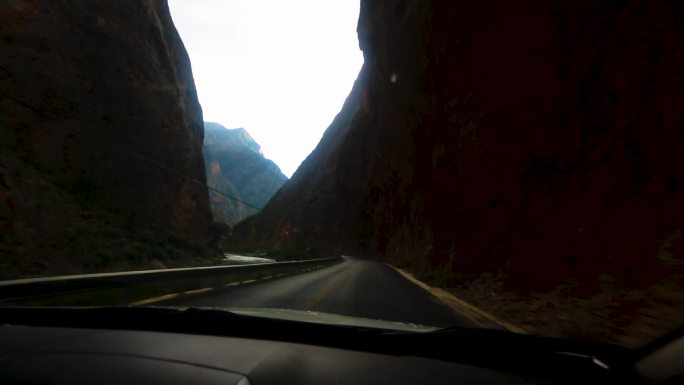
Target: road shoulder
[472, 313]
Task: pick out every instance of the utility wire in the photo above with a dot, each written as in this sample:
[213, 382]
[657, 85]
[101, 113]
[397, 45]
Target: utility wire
[137, 155]
[140, 156]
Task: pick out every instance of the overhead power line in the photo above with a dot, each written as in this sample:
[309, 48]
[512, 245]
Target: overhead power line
[43, 114]
[143, 157]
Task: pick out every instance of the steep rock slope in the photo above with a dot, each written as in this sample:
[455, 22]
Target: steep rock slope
[101, 140]
[360, 175]
[541, 141]
[235, 166]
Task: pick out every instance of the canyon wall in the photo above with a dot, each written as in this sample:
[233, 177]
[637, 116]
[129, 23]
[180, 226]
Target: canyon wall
[101, 153]
[540, 140]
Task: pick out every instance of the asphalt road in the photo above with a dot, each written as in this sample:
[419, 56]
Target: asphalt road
[354, 287]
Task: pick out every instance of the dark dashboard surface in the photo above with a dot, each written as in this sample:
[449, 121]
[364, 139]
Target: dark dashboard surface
[41, 355]
[210, 346]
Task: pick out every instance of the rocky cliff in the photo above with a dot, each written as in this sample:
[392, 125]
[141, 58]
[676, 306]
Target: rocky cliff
[101, 149]
[235, 166]
[538, 141]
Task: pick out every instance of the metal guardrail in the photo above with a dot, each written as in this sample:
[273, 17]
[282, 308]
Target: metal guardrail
[128, 287]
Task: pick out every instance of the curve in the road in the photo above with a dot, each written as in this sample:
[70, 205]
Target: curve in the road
[354, 287]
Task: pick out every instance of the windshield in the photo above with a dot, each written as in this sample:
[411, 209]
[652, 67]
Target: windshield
[404, 165]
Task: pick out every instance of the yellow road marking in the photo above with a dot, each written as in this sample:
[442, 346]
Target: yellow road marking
[469, 311]
[249, 281]
[155, 299]
[334, 285]
[197, 291]
[233, 284]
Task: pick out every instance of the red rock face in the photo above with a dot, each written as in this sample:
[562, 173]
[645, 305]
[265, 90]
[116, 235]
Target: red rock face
[543, 139]
[562, 137]
[98, 118]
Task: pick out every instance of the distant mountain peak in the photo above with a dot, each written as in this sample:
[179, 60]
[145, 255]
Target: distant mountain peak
[236, 166]
[217, 134]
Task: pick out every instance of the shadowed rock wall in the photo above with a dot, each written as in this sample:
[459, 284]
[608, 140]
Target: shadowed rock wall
[99, 118]
[538, 139]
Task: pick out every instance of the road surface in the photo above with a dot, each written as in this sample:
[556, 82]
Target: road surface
[354, 287]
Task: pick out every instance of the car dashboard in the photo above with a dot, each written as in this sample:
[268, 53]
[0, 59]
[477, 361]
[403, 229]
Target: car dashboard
[92, 346]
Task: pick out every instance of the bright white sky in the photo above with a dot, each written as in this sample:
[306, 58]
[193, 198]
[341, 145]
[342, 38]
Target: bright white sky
[279, 68]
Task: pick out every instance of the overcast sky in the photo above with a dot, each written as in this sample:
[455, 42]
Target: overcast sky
[279, 68]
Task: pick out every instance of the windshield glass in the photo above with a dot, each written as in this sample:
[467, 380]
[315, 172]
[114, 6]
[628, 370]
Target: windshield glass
[407, 165]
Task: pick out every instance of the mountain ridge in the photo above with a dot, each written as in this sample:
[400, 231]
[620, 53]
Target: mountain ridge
[236, 166]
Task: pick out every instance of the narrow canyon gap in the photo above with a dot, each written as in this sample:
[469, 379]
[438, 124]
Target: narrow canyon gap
[541, 141]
